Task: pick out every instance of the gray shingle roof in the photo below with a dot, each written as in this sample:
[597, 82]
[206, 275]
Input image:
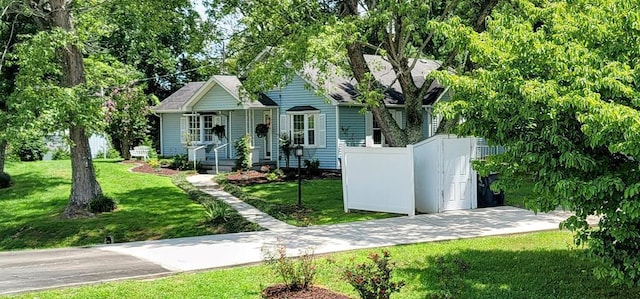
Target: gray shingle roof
[178, 98]
[232, 84]
[343, 89]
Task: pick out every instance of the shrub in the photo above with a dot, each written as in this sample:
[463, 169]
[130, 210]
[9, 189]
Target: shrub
[102, 204]
[111, 153]
[286, 147]
[5, 180]
[243, 151]
[217, 211]
[297, 274]
[312, 166]
[272, 176]
[32, 149]
[372, 280]
[61, 154]
[154, 163]
[180, 162]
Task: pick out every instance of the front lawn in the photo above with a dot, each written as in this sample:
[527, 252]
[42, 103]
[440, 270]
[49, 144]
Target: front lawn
[321, 199]
[150, 207]
[536, 265]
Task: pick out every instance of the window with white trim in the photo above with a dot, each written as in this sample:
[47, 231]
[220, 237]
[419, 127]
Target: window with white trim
[193, 133]
[374, 135]
[199, 129]
[305, 128]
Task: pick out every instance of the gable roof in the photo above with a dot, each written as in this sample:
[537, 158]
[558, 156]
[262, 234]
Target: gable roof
[343, 90]
[193, 92]
[175, 101]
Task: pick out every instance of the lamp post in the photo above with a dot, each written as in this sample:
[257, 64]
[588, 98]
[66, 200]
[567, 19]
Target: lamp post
[299, 152]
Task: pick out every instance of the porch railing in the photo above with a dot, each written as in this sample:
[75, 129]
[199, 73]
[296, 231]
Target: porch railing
[195, 154]
[483, 151]
[215, 152]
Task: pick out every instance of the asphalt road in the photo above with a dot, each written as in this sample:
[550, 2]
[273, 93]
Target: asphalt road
[22, 271]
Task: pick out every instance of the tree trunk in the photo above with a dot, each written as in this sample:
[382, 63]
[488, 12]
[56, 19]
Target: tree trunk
[84, 186]
[3, 154]
[124, 149]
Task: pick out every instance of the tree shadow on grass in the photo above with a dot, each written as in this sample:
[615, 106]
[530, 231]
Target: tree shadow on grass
[27, 184]
[520, 274]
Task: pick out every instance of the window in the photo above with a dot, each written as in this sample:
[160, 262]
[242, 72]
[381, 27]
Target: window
[305, 128]
[377, 133]
[193, 133]
[200, 129]
[374, 135]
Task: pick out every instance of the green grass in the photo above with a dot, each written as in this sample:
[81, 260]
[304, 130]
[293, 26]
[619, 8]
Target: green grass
[518, 196]
[322, 201]
[149, 207]
[537, 265]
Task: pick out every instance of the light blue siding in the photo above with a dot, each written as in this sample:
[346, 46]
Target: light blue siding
[171, 144]
[295, 94]
[238, 129]
[352, 126]
[217, 98]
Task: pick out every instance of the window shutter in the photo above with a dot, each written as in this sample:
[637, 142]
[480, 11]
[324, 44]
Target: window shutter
[184, 126]
[368, 125]
[284, 124]
[397, 115]
[321, 130]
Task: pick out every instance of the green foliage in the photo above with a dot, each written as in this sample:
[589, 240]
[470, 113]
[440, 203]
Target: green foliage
[286, 147]
[243, 153]
[262, 130]
[154, 163]
[312, 166]
[5, 180]
[102, 204]
[181, 162]
[61, 154]
[217, 211]
[450, 277]
[112, 153]
[29, 149]
[372, 280]
[557, 83]
[297, 274]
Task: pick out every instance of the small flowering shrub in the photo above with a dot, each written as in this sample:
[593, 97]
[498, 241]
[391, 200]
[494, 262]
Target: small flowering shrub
[297, 274]
[372, 279]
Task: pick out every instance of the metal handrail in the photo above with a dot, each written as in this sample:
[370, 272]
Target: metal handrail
[195, 151]
[215, 152]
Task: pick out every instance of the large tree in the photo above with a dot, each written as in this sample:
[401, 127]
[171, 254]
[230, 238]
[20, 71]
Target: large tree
[328, 33]
[558, 84]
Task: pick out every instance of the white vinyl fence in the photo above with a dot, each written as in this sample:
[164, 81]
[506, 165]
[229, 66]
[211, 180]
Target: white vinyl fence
[432, 176]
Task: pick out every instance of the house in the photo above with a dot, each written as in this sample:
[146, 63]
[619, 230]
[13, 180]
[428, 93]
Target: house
[213, 114]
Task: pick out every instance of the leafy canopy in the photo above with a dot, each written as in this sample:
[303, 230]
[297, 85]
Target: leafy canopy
[558, 84]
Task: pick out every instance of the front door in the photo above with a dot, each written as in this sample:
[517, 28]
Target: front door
[267, 140]
[457, 174]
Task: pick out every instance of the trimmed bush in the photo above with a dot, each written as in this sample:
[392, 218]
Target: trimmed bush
[102, 204]
[30, 150]
[5, 180]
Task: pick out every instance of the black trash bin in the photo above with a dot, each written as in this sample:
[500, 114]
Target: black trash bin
[487, 197]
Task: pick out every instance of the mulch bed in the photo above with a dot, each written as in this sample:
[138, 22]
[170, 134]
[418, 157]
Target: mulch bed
[145, 168]
[281, 291]
[247, 178]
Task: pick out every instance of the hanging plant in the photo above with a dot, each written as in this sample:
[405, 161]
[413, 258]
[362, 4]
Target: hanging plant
[219, 131]
[262, 130]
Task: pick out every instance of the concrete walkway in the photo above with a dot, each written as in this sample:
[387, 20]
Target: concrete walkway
[205, 183]
[27, 270]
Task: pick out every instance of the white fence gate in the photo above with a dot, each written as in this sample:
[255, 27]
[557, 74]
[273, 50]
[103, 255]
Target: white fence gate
[432, 176]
